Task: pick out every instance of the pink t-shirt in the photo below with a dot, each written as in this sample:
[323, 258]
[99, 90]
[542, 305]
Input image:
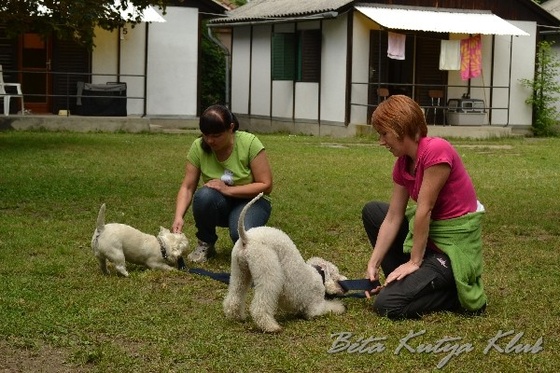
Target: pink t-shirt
[457, 197]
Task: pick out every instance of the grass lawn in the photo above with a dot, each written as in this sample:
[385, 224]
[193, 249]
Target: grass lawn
[60, 314]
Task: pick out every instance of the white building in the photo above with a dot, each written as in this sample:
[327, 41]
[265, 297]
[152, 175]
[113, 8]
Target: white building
[157, 59]
[315, 67]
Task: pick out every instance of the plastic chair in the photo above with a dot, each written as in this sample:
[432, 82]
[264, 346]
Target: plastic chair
[8, 95]
[436, 96]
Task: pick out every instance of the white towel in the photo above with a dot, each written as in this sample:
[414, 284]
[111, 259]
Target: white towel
[450, 55]
[396, 46]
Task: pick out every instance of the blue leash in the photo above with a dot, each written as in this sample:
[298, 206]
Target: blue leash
[348, 285]
[219, 276]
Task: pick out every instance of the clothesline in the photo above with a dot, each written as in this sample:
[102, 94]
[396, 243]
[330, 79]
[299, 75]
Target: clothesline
[458, 54]
[419, 35]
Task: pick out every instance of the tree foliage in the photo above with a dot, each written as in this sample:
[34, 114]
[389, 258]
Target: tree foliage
[70, 19]
[545, 90]
[212, 72]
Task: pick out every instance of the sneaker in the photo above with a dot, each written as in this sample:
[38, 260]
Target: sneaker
[202, 252]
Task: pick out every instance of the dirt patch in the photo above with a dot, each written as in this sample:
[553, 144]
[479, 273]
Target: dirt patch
[45, 359]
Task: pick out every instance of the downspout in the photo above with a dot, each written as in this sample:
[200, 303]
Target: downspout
[145, 108]
[119, 48]
[510, 76]
[349, 54]
[320, 84]
[297, 56]
[227, 72]
[493, 67]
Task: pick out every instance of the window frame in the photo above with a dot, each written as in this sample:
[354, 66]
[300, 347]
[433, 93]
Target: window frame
[296, 56]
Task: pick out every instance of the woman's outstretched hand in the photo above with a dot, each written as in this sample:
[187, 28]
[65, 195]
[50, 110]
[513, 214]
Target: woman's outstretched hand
[402, 271]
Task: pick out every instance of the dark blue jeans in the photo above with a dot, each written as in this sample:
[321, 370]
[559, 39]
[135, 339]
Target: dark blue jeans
[431, 288]
[212, 209]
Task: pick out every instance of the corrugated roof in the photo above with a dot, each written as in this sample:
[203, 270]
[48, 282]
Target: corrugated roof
[553, 7]
[455, 21]
[389, 16]
[272, 9]
[226, 4]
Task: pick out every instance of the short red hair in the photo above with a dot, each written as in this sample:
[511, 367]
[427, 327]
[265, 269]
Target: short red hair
[402, 116]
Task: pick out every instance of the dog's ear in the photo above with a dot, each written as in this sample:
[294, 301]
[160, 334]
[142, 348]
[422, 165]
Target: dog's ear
[328, 268]
[163, 230]
[325, 269]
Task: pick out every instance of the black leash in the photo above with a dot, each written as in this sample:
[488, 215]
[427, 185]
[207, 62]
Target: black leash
[353, 288]
[219, 276]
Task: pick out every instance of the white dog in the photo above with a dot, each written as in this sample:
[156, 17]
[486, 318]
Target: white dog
[268, 258]
[120, 243]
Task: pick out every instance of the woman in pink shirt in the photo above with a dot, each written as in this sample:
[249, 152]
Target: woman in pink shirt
[418, 269]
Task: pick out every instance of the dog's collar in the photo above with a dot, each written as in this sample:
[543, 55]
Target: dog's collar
[321, 272]
[162, 248]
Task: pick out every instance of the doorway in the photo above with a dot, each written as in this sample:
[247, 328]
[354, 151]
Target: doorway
[414, 76]
[35, 66]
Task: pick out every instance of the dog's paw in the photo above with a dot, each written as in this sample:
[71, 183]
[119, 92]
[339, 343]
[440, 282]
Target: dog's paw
[233, 310]
[337, 308]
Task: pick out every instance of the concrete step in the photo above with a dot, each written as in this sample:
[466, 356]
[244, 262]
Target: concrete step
[173, 122]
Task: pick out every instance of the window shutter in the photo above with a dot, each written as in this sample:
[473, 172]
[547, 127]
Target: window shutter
[309, 56]
[283, 56]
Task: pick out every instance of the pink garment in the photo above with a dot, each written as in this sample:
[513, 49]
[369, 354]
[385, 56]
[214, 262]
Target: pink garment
[471, 57]
[396, 44]
[457, 197]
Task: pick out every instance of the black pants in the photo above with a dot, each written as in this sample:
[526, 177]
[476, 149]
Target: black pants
[430, 288]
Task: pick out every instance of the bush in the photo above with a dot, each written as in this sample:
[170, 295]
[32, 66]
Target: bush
[212, 69]
[546, 89]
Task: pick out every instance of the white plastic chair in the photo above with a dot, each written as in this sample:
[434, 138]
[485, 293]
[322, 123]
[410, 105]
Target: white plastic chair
[8, 95]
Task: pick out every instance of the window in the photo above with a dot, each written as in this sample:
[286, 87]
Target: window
[297, 56]
[283, 61]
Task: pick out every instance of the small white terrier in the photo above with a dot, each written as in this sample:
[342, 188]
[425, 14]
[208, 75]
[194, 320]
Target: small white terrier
[268, 258]
[120, 243]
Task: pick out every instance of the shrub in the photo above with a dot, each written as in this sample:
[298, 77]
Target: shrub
[546, 89]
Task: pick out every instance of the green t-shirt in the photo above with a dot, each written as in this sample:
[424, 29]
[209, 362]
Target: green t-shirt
[236, 169]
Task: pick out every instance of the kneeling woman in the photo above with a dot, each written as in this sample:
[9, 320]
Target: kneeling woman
[234, 168]
[430, 252]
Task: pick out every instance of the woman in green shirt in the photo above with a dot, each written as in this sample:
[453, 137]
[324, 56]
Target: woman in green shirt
[234, 168]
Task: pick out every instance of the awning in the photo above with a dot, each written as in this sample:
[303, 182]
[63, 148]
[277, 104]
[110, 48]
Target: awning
[454, 21]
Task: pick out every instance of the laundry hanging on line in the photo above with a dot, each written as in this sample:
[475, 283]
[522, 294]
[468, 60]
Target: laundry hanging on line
[471, 57]
[450, 55]
[396, 44]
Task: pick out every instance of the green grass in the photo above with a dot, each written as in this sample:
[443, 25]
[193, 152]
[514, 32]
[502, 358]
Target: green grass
[59, 313]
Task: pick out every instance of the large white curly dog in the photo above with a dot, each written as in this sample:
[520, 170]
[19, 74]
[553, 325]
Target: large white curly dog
[267, 258]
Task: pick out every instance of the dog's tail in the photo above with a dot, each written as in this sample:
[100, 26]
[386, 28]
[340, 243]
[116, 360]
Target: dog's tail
[241, 222]
[100, 219]
[98, 227]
